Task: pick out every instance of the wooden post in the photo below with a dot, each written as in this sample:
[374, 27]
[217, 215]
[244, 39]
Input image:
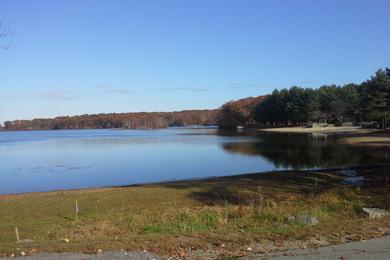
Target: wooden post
[77, 210]
[383, 121]
[17, 234]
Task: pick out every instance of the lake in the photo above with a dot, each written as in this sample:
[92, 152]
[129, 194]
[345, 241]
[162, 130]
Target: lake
[52, 160]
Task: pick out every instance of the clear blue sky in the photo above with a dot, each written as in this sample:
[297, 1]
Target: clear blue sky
[74, 57]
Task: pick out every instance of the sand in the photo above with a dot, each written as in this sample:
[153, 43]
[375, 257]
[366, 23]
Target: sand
[330, 129]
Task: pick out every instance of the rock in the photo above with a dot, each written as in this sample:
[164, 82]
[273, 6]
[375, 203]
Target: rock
[304, 219]
[291, 219]
[375, 212]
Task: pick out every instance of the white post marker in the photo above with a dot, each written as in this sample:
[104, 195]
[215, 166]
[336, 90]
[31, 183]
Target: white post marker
[17, 234]
[77, 210]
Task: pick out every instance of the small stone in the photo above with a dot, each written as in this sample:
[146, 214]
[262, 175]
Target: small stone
[291, 219]
[372, 213]
[304, 219]
[23, 253]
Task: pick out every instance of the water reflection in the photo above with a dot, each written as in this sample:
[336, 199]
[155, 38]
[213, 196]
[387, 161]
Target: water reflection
[299, 151]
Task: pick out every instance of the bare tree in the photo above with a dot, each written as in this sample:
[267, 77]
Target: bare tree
[5, 31]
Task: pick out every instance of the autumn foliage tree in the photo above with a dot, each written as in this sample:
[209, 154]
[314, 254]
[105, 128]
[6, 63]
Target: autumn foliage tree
[140, 120]
[238, 113]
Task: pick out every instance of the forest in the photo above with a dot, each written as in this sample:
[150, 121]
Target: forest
[143, 120]
[367, 102]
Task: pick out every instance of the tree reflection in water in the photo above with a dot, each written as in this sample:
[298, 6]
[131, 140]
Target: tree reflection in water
[303, 151]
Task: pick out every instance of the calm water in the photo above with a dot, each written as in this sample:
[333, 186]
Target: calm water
[51, 160]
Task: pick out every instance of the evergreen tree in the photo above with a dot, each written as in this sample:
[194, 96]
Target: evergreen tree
[376, 97]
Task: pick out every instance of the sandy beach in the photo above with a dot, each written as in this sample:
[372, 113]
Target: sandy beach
[330, 130]
[355, 136]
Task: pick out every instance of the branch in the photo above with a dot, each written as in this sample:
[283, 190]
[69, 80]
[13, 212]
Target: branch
[5, 31]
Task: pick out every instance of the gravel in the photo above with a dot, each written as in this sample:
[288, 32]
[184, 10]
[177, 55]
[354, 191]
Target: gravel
[136, 255]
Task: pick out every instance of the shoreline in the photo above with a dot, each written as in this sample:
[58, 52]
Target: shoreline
[187, 181]
[327, 130]
[353, 136]
[377, 139]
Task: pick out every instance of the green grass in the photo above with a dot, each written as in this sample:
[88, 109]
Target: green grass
[235, 211]
[185, 222]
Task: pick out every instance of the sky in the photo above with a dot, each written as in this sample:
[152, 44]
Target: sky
[82, 57]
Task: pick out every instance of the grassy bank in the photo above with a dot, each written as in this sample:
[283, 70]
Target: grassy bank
[224, 216]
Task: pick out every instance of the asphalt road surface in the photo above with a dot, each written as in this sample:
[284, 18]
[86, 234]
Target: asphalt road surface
[372, 249]
[378, 248]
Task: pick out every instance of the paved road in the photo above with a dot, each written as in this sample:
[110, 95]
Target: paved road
[372, 249]
[77, 256]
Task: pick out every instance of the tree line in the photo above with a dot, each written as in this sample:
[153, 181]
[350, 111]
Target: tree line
[330, 104]
[151, 120]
